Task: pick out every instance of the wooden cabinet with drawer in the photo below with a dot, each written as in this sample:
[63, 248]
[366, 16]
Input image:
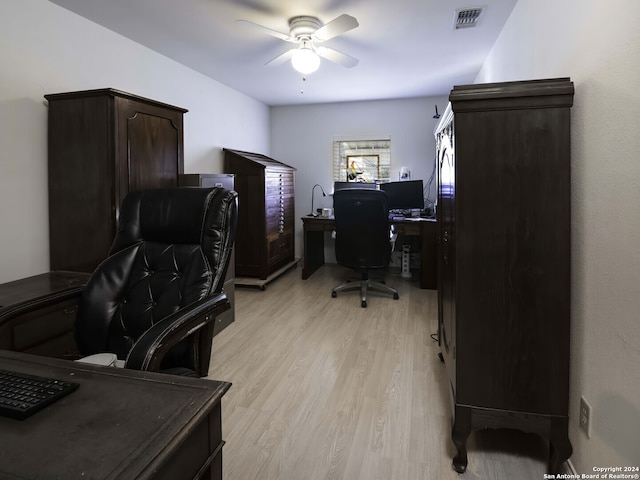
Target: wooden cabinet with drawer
[280, 215]
[265, 235]
[37, 313]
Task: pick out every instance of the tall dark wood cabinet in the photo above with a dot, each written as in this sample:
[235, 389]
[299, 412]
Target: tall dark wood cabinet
[103, 144]
[225, 181]
[266, 217]
[503, 152]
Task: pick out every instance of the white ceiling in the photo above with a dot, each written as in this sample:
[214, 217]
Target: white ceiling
[406, 48]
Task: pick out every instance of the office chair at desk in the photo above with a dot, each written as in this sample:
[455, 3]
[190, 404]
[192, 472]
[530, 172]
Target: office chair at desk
[363, 239]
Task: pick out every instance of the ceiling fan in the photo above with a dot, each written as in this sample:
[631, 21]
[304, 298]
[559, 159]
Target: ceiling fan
[309, 33]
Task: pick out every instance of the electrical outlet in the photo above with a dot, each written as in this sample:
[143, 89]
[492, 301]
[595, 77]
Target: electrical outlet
[585, 417]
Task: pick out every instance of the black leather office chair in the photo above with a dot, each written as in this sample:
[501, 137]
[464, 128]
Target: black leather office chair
[153, 301]
[362, 237]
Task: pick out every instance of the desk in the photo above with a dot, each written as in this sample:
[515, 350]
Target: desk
[42, 285]
[37, 313]
[426, 229]
[119, 424]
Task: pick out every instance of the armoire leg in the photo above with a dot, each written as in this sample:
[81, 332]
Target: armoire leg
[560, 448]
[459, 434]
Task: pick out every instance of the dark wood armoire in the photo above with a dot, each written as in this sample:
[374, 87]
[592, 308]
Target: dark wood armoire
[266, 216]
[102, 144]
[503, 157]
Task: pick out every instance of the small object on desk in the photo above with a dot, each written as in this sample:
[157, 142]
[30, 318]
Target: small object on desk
[22, 395]
[102, 359]
[312, 214]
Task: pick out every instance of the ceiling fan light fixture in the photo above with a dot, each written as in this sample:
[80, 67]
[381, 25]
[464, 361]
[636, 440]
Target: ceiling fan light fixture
[305, 60]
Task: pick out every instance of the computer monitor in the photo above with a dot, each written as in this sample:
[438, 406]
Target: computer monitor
[405, 195]
[342, 185]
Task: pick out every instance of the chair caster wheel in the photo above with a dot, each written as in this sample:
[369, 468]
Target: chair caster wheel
[333, 294]
[363, 304]
[396, 296]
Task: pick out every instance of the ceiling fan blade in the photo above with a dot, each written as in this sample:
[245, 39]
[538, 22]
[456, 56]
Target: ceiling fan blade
[280, 59]
[337, 57]
[268, 31]
[335, 27]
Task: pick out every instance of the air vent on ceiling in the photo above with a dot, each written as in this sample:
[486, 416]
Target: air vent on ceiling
[468, 17]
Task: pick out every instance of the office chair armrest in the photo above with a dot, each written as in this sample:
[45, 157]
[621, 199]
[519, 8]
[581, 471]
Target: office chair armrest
[147, 353]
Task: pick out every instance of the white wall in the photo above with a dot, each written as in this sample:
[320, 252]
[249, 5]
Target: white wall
[302, 136]
[597, 44]
[47, 49]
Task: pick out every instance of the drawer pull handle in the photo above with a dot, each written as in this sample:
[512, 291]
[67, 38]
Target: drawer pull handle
[70, 310]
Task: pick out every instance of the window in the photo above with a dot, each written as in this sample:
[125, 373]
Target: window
[362, 161]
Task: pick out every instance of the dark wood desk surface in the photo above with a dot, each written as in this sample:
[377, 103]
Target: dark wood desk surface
[41, 285]
[119, 424]
[426, 229]
[37, 313]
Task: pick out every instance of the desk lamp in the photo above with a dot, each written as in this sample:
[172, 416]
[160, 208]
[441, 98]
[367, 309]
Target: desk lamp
[313, 214]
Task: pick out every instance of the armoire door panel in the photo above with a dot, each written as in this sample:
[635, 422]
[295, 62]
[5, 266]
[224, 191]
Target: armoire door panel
[153, 150]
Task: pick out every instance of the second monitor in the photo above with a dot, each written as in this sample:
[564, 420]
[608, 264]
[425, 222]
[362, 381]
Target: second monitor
[405, 195]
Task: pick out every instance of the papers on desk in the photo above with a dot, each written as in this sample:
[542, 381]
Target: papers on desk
[400, 218]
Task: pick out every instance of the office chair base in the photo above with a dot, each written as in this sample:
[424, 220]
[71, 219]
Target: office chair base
[364, 286]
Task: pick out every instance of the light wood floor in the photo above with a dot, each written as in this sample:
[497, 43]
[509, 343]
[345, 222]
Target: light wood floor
[324, 389]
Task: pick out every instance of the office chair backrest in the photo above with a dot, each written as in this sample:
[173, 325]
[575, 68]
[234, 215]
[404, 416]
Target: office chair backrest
[362, 228]
[172, 248]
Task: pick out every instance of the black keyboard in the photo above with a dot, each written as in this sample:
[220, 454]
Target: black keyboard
[21, 395]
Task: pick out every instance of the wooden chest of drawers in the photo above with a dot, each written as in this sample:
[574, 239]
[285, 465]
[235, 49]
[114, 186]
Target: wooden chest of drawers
[265, 235]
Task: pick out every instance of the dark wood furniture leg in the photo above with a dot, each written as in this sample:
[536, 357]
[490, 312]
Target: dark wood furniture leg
[459, 434]
[429, 255]
[552, 428]
[560, 448]
[313, 252]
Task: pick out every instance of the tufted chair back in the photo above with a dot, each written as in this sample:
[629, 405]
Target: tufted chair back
[172, 249]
